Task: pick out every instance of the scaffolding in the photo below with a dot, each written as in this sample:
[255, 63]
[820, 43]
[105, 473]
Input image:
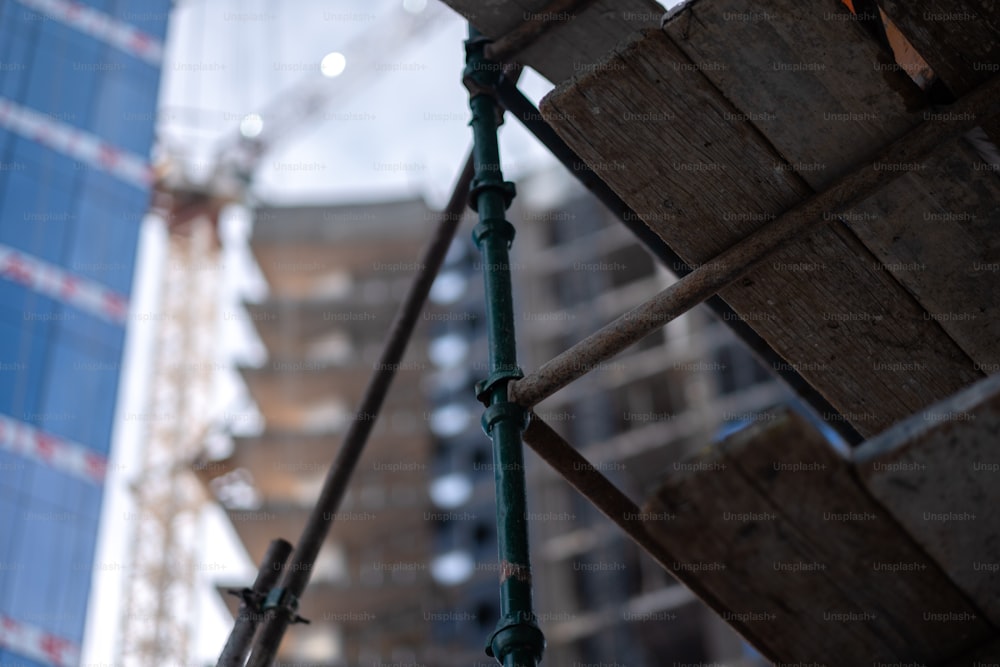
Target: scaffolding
[509, 397]
[165, 527]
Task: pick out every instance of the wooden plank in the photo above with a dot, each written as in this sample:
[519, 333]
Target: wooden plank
[809, 78]
[934, 230]
[780, 531]
[702, 177]
[649, 110]
[959, 39]
[937, 474]
[573, 40]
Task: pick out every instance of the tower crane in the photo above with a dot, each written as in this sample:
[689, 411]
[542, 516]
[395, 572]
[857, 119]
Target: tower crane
[160, 585]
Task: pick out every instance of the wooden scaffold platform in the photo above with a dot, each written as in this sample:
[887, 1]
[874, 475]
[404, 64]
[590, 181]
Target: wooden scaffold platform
[849, 217]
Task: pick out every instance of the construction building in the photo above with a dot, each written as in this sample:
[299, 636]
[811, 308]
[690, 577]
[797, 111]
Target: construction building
[78, 91]
[335, 275]
[417, 531]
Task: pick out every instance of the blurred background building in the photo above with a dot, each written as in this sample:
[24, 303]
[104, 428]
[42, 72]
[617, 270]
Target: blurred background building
[335, 275]
[78, 95]
[408, 575]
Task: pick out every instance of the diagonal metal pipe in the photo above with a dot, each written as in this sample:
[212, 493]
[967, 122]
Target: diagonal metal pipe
[736, 261]
[283, 600]
[614, 504]
[520, 106]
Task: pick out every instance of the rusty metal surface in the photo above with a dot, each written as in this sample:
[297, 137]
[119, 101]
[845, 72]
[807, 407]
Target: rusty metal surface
[591, 483]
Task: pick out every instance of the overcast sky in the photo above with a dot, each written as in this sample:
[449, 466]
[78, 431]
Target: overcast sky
[395, 121]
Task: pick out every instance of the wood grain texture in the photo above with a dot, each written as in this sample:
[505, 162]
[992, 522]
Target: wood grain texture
[810, 79]
[959, 39]
[779, 529]
[702, 176]
[937, 473]
[573, 41]
[934, 230]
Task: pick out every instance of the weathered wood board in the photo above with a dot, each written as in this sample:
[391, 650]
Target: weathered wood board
[959, 39]
[935, 231]
[937, 473]
[806, 76]
[826, 117]
[575, 38]
[811, 568]
[701, 174]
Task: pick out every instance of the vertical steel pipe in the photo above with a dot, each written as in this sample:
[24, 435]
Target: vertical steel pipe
[517, 640]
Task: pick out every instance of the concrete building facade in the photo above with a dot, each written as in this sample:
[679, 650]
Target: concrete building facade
[335, 275]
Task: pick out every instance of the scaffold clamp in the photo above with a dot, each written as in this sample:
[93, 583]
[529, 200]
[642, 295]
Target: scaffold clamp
[507, 190]
[485, 387]
[495, 413]
[480, 75]
[282, 601]
[247, 596]
[516, 631]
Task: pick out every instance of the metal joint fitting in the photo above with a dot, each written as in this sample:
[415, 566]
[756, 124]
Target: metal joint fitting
[506, 190]
[485, 387]
[501, 411]
[248, 596]
[281, 601]
[480, 75]
[473, 82]
[516, 632]
[496, 226]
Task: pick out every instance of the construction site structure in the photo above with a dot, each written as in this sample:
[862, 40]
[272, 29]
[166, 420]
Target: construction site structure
[164, 554]
[838, 198]
[335, 276]
[745, 523]
[598, 597]
[418, 520]
[160, 583]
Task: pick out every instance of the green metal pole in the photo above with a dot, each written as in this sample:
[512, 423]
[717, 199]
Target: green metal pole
[517, 640]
